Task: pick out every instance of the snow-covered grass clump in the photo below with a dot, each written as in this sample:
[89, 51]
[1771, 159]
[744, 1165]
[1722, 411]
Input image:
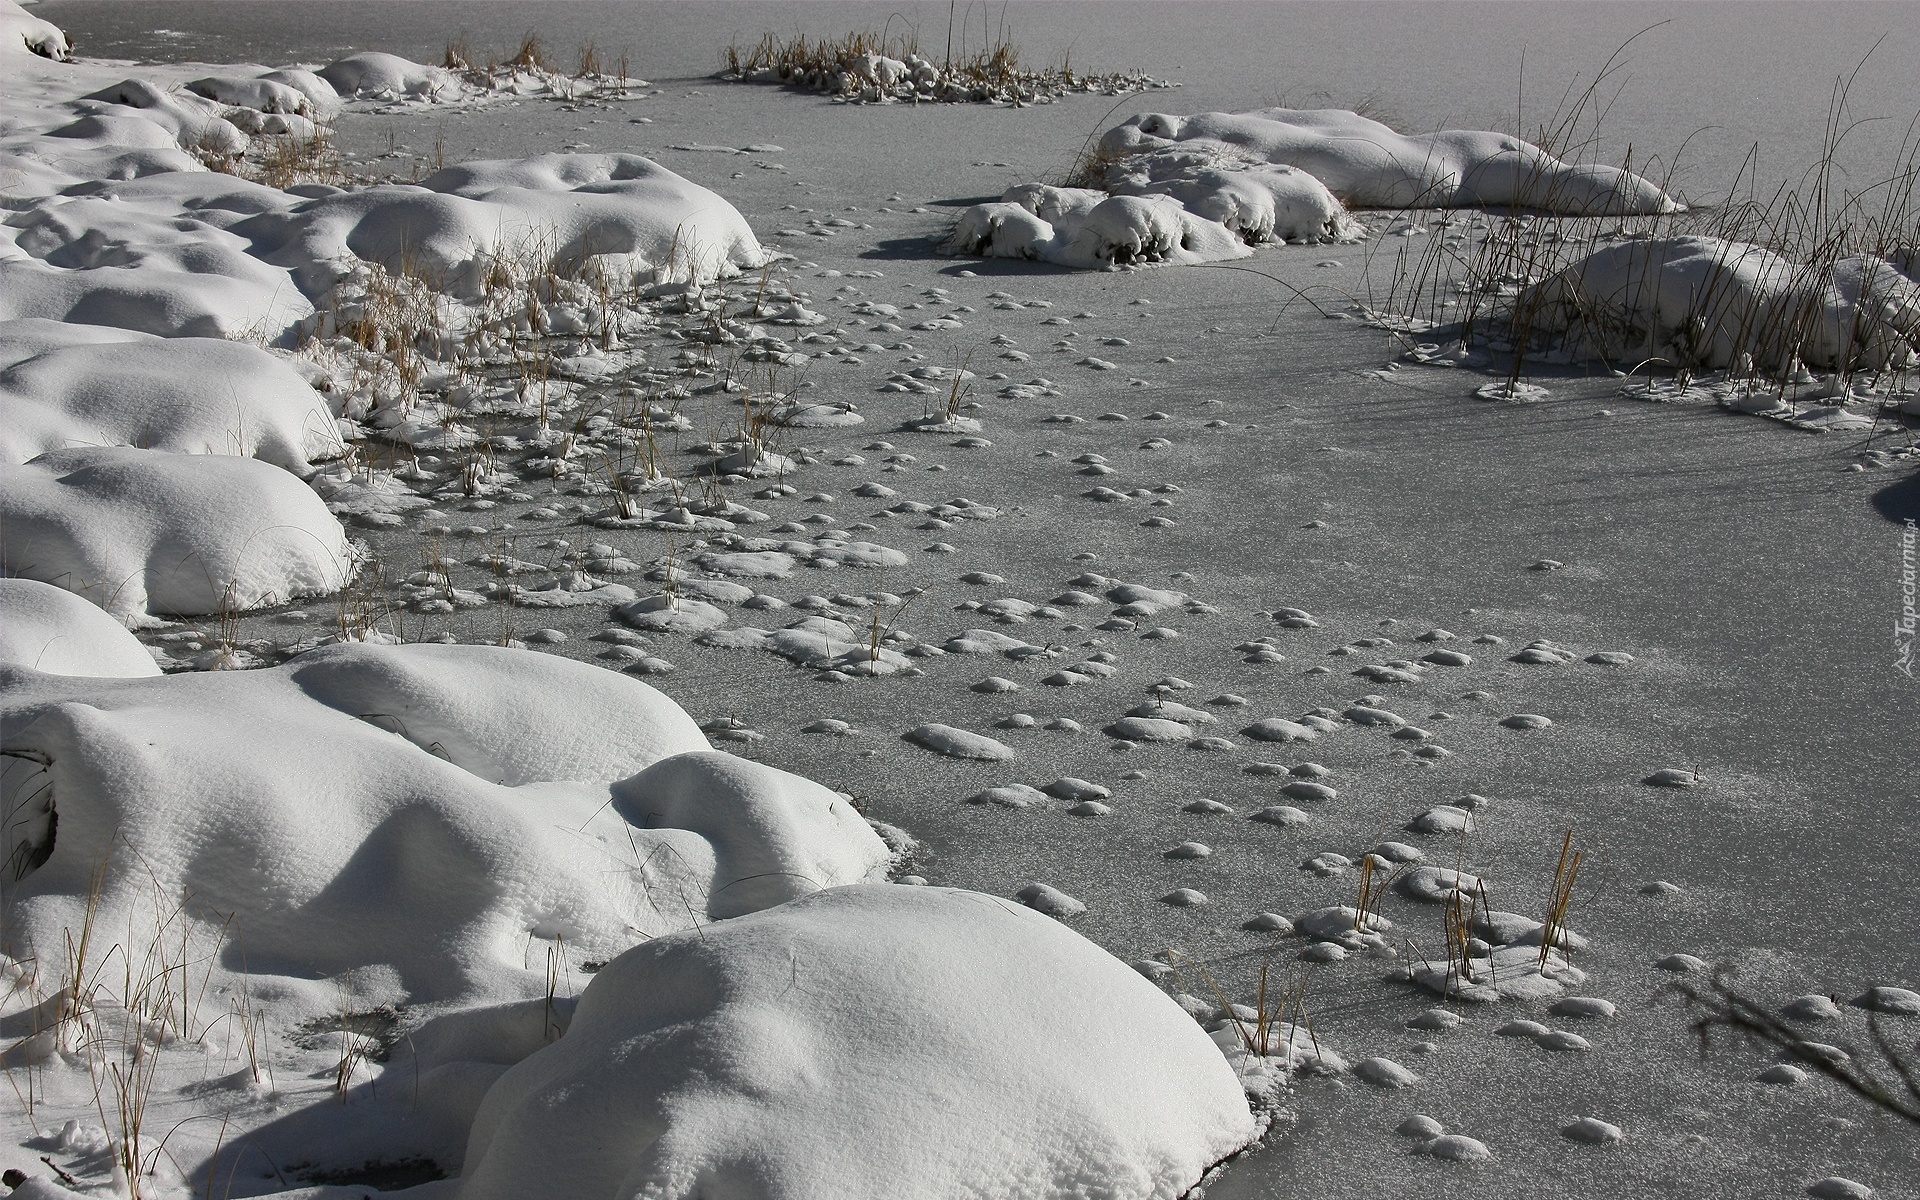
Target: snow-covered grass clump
[865, 1041]
[1709, 303]
[618, 217]
[148, 533]
[869, 67]
[1090, 230]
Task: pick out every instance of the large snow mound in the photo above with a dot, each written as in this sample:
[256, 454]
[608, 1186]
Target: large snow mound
[417, 815]
[1201, 188]
[880, 1041]
[144, 533]
[1707, 302]
[50, 629]
[65, 385]
[1370, 165]
[625, 217]
[95, 260]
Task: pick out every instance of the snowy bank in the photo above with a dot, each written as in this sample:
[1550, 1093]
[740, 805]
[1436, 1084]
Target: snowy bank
[50, 629]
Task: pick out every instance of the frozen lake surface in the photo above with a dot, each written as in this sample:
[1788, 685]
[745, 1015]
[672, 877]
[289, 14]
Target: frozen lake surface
[1716, 592]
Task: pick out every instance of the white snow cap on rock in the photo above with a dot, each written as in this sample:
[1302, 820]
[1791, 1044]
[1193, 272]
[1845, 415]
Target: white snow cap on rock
[413, 814]
[145, 532]
[45, 628]
[1369, 165]
[626, 215]
[1202, 188]
[64, 385]
[879, 1041]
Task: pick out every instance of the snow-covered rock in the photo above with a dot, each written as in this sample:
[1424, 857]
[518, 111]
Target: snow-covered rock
[64, 385]
[1117, 231]
[146, 532]
[866, 1041]
[376, 75]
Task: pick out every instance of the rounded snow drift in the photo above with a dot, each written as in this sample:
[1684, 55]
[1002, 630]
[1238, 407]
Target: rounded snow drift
[817, 1048]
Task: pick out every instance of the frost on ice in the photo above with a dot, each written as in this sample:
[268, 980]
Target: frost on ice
[978, 1047]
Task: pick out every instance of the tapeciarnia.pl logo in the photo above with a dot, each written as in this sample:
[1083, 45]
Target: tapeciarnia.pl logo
[1903, 628]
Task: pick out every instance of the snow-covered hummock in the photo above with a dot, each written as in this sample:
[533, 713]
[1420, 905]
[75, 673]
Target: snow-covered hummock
[168, 266]
[1075, 227]
[1706, 302]
[65, 385]
[1202, 188]
[50, 629]
[412, 814]
[379, 76]
[1369, 165]
[624, 216]
[875, 1041]
[145, 533]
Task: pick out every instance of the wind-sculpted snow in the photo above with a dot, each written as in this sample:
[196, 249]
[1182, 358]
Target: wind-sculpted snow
[410, 813]
[21, 32]
[144, 533]
[64, 385]
[977, 1047]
